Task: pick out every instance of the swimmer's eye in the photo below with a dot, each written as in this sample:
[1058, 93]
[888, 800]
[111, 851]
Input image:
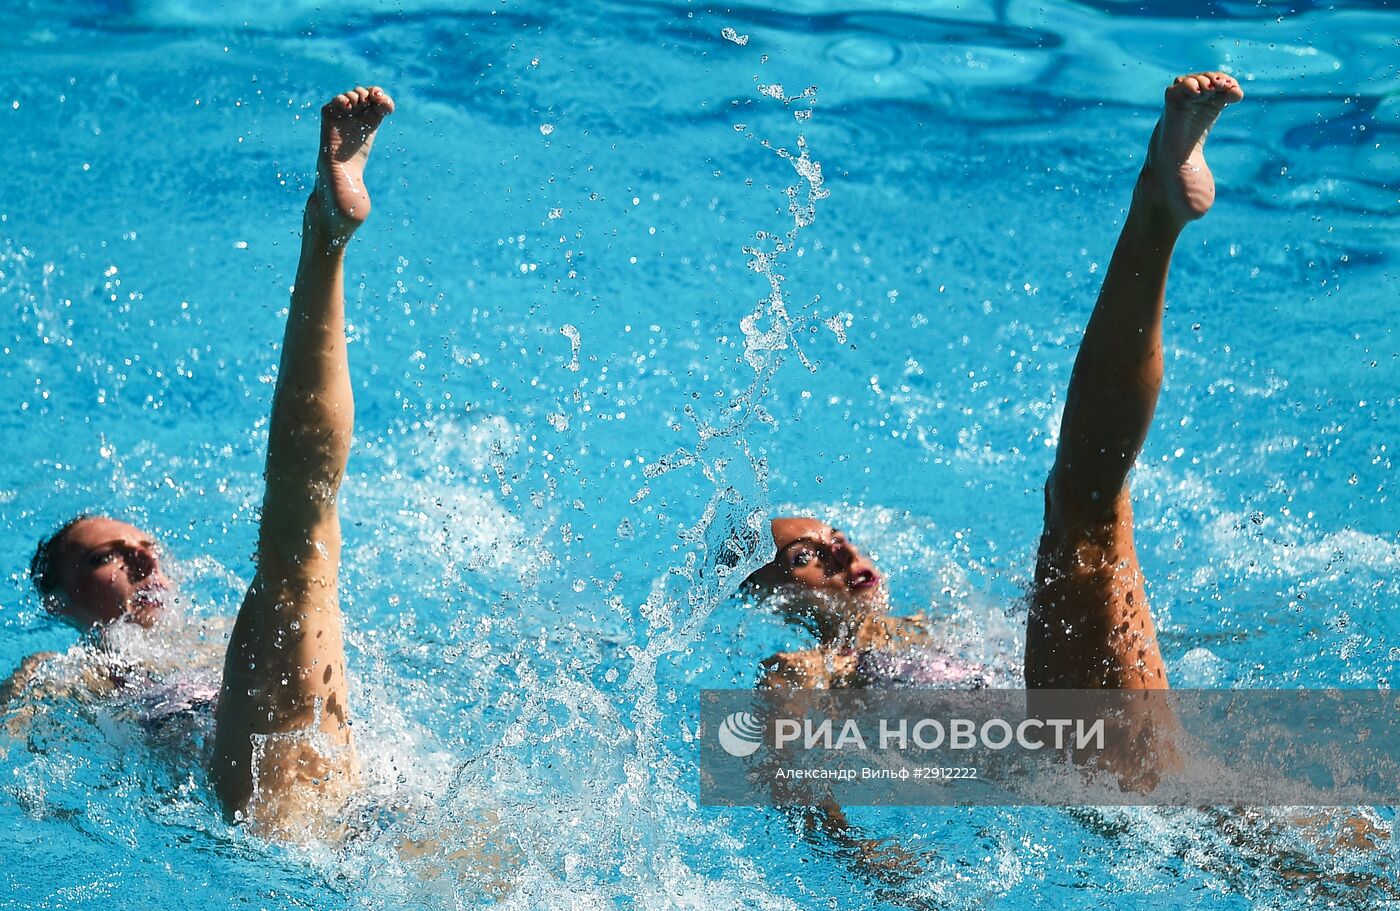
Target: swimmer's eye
[101, 558]
[801, 559]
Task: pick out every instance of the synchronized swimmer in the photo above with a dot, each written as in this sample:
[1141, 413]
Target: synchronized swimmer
[284, 689]
[1089, 625]
[284, 685]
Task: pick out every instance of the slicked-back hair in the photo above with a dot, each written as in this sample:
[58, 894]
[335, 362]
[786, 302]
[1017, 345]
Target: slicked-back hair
[41, 565]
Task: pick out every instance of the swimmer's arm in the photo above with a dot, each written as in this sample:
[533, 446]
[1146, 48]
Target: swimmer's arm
[825, 825]
[18, 682]
[877, 860]
[21, 695]
[478, 850]
[785, 677]
[1333, 835]
[775, 679]
[792, 671]
[812, 669]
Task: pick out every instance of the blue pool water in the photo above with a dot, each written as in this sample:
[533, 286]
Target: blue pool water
[563, 411]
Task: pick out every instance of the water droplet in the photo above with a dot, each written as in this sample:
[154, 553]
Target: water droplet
[546, 129]
[728, 33]
[575, 343]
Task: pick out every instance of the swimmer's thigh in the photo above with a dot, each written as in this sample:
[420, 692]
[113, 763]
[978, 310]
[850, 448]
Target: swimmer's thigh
[1089, 625]
[282, 742]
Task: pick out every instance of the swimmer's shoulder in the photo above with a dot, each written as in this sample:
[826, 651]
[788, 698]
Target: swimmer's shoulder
[913, 629]
[889, 632]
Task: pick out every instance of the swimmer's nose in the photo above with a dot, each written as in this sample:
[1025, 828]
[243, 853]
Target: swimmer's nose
[140, 564]
[858, 570]
[847, 556]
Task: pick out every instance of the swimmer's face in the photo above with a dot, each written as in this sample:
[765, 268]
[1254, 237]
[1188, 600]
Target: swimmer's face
[107, 570]
[817, 561]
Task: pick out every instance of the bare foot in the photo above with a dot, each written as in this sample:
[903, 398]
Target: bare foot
[1176, 176]
[340, 202]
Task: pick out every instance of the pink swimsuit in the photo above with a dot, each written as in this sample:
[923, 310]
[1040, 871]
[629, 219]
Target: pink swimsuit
[917, 666]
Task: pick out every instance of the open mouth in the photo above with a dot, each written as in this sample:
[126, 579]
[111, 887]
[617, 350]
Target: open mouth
[865, 580]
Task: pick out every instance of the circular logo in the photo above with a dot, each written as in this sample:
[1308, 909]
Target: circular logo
[740, 735]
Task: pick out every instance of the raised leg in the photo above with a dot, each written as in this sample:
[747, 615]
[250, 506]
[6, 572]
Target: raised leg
[282, 744]
[1089, 625]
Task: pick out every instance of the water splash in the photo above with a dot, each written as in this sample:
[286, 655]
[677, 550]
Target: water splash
[771, 328]
[575, 345]
[725, 538]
